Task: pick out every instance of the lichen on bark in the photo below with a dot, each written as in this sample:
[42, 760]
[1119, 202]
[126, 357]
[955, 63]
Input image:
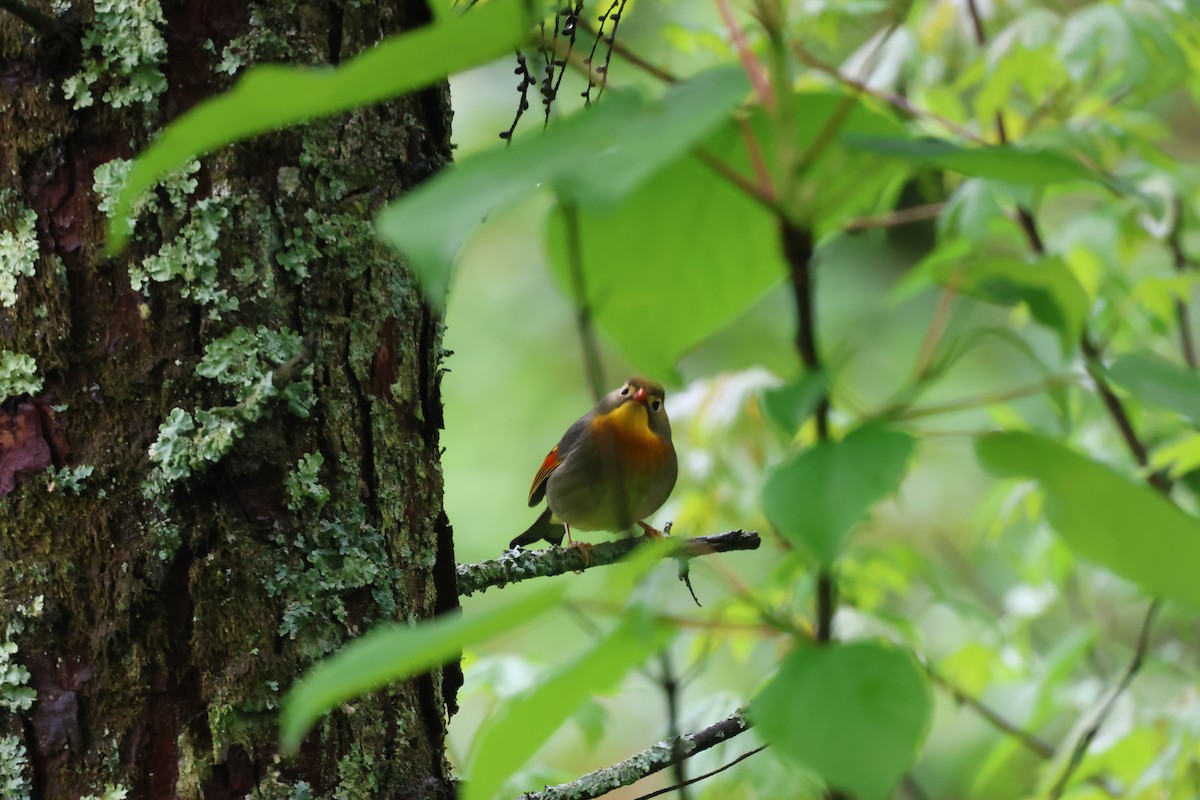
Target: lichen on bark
[169, 636]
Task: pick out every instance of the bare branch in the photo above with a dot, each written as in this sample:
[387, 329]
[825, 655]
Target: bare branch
[647, 762]
[705, 776]
[583, 307]
[1101, 714]
[517, 565]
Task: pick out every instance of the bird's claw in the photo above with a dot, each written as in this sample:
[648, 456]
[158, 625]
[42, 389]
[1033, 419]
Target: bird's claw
[585, 551]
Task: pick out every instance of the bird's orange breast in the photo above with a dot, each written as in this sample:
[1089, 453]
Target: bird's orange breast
[627, 428]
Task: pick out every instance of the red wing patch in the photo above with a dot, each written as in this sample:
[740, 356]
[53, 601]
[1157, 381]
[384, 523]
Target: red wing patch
[538, 490]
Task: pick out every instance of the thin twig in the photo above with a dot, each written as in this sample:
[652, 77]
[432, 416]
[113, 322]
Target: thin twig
[976, 401]
[1175, 242]
[583, 307]
[647, 762]
[670, 689]
[633, 58]
[1027, 740]
[518, 565]
[754, 70]
[902, 216]
[1089, 733]
[897, 101]
[705, 776]
[740, 181]
[527, 80]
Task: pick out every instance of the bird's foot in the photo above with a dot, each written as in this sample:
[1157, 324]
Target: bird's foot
[653, 533]
[585, 552]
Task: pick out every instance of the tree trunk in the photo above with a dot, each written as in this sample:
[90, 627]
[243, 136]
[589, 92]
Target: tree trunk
[234, 528]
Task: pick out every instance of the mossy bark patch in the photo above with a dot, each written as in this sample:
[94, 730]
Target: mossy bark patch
[176, 617]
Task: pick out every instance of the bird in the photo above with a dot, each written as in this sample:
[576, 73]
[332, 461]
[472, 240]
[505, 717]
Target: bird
[613, 467]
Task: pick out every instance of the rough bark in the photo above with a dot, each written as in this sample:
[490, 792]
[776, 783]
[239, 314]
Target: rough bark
[167, 638]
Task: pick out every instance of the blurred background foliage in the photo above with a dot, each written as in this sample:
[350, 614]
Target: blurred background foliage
[959, 566]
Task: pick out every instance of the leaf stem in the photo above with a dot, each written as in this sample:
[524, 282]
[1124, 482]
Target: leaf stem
[1182, 314]
[759, 79]
[593, 367]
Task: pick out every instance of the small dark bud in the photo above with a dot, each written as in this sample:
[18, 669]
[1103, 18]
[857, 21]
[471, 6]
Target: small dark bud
[505, 134]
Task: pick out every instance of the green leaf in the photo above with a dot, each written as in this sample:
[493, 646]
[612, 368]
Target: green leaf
[1037, 168]
[592, 159]
[515, 731]
[1047, 287]
[856, 714]
[273, 96]
[1102, 515]
[673, 264]
[393, 652]
[687, 252]
[1158, 382]
[789, 406]
[815, 498]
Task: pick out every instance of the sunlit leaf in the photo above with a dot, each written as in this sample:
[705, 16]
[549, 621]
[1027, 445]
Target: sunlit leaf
[392, 652]
[1002, 162]
[1104, 516]
[1158, 382]
[515, 731]
[816, 497]
[856, 714]
[593, 159]
[273, 96]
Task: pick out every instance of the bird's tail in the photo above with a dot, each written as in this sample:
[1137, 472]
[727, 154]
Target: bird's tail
[542, 528]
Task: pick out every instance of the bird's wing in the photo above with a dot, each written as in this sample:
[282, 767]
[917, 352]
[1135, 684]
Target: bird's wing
[556, 456]
[538, 490]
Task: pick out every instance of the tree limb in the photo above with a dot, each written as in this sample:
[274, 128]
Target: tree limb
[519, 565]
[647, 762]
[39, 20]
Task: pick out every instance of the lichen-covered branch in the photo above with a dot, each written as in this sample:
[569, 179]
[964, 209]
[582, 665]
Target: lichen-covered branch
[647, 762]
[519, 565]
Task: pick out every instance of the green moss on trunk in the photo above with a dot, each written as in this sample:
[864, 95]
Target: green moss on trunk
[175, 619]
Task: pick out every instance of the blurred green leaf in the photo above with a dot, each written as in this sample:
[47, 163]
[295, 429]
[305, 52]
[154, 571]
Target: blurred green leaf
[393, 652]
[1158, 382]
[1105, 517]
[816, 497]
[790, 406]
[593, 159]
[273, 96]
[1008, 163]
[1047, 286]
[674, 263]
[525, 722]
[840, 182]
[856, 714]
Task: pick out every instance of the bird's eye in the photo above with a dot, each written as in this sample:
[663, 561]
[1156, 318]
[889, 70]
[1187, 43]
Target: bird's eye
[624, 391]
[656, 405]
